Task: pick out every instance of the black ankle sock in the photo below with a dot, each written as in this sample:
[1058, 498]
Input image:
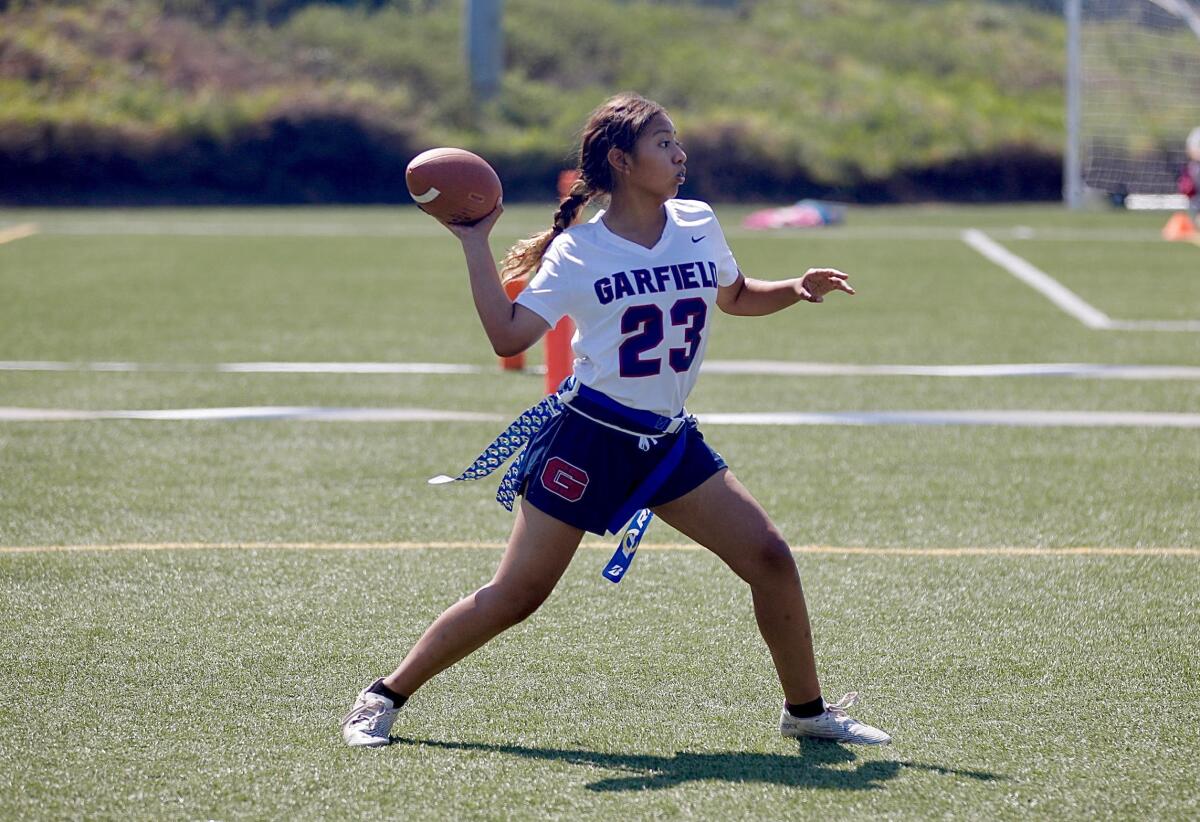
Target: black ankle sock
[377, 687]
[807, 710]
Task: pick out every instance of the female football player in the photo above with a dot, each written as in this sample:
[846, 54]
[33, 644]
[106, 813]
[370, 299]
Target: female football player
[640, 281]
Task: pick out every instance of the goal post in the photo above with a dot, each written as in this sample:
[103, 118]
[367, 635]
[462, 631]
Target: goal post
[1133, 95]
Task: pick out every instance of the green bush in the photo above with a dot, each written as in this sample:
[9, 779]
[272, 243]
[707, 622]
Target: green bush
[775, 97]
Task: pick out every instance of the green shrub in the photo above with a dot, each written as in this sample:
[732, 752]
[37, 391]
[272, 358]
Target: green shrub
[773, 97]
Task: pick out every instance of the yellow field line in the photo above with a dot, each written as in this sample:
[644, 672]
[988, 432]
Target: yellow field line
[660, 546]
[16, 232]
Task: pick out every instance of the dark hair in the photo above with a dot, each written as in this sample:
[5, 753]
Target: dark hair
[616, 124]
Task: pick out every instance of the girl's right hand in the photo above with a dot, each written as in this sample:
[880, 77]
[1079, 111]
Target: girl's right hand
[479, 230]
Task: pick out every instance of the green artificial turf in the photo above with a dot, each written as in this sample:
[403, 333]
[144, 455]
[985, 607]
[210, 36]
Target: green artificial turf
[141, 481]
[208, 683]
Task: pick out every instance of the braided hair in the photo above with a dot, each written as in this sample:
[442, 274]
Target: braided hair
[616, 124]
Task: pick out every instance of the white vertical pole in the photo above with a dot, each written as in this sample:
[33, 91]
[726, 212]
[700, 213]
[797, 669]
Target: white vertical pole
[483, 42]
[1072, 159]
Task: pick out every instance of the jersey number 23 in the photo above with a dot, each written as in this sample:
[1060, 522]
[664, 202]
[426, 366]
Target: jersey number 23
[647, 321]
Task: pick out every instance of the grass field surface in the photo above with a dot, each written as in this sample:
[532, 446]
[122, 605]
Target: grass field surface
[1026, 679]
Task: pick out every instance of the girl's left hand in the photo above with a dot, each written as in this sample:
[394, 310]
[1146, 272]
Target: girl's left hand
[817, 282]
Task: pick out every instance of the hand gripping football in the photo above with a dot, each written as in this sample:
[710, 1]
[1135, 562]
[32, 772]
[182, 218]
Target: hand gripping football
[453, 185]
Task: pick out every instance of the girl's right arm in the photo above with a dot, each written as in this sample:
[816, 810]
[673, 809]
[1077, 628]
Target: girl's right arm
[510, 328]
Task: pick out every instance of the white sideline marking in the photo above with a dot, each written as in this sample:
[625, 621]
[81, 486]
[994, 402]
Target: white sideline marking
[1155, 325]
[748, 367]
[1019, 419]
[1079, 370]
[1023, 551]
[1037, 279]
[290, 228]
[239, 229]
[1060, 295]
[249, 367]
[347, 368]
[1023, 419]
[306, 414]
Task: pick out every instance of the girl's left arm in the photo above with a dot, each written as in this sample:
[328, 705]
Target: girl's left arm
[748, 297]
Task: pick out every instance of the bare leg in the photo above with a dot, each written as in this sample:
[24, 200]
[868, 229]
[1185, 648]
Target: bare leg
[539, 551]
[722, 516]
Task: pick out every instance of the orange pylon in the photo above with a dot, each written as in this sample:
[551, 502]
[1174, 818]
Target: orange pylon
[560, 360]
[566, 179]
[1179, 227]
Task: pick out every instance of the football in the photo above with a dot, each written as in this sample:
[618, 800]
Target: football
[453, 185]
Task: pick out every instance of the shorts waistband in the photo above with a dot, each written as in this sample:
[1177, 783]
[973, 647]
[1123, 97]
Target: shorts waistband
[604, 408]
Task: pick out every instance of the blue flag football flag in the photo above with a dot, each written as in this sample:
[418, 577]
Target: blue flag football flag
[617, 566]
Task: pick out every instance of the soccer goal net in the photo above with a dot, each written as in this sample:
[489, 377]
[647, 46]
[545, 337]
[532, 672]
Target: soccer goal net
[1140, 92]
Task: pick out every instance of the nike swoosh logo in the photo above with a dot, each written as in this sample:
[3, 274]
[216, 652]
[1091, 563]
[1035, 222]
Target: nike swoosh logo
[428, 197]
[698, 239]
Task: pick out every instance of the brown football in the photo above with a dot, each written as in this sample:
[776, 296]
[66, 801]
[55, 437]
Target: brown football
[453, 185]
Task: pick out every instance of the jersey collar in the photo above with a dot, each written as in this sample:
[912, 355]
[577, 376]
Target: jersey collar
[629, 245]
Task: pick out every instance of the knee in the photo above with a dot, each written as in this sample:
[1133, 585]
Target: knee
[770, 561]
[513, 603]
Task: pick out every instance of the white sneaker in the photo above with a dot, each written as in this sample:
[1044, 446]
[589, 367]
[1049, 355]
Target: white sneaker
[834, 724]
[370, 721]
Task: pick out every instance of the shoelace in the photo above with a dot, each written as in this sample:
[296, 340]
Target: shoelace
[838, 709]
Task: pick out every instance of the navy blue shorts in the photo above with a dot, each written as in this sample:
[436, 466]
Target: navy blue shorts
[581, 472]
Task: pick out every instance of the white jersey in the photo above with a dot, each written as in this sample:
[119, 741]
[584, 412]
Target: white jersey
[642, 315]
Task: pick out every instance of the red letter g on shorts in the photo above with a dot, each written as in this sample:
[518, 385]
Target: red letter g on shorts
[563, 479]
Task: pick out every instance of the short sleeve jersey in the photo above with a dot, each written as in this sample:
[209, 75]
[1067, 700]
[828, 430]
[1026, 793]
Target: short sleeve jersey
[641, 315]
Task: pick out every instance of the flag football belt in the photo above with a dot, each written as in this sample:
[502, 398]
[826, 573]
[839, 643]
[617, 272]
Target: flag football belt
[598, 407]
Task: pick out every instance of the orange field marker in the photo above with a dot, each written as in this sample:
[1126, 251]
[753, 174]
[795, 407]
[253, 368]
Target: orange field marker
[559, 359]
[1180, 228]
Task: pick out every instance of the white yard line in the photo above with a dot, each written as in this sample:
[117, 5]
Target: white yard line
[1077, 370]
[290, 228]
[1102, 371]
[249, 228]
[247, 367]
[997, 551]
[1012, 418]
[347, 368]
[1035, 278]
[1063, 297]
[925, 233]
[1007, 418]
[270, 412]
[1155, 325]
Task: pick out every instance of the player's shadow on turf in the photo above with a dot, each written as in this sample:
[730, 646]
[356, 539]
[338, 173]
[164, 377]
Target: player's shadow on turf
[814, 768]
